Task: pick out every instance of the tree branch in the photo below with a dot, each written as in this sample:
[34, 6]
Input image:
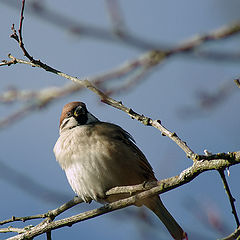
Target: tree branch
[231, 198]
[146, 190]
[233, 236]
[116, 17]
[12, 229]
[104, 98]
[49, 235]
[127, 38]
[146, 62]
[50, 214]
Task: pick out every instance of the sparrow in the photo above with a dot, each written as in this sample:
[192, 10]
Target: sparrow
[97, 156]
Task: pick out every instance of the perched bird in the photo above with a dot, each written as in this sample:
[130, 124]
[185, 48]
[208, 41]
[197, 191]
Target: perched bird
[97, 156]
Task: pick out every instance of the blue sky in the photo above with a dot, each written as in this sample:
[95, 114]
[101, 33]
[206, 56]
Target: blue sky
[26, 146]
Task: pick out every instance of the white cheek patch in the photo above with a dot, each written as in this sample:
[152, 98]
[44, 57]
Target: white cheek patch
[68, 123]
[64, 123]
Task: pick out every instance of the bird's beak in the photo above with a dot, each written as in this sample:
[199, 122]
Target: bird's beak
[79, 111]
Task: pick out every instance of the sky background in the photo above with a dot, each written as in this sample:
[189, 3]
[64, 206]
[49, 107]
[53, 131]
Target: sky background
[32, 182]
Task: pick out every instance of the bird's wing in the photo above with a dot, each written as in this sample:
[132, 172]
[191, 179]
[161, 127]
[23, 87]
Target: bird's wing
[114, 132]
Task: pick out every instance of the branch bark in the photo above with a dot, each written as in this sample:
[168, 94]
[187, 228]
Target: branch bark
[144, 190]
[233, 236]
[201, 163]
[230, 197]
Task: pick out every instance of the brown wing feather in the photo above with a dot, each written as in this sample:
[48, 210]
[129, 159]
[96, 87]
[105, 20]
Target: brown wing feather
[115, 132]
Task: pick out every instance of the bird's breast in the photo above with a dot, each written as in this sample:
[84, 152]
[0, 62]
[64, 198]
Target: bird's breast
[94, 163]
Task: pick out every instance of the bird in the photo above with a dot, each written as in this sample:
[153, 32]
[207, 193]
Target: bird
[97, 156]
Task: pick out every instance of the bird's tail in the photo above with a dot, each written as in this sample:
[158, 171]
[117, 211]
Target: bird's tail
[155, 204]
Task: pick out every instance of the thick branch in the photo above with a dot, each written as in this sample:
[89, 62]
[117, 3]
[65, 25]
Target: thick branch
[162, 186]
[198, 167]
[149, 60]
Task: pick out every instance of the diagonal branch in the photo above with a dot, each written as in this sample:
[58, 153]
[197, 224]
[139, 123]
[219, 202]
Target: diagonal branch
[50, 214]
[104, 98]
[96, 32]
[146, 61]
[214, 162]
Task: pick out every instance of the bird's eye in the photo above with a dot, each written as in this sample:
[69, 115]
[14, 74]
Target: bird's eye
[69, 114]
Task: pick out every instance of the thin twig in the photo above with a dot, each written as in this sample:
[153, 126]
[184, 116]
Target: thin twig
[174, 137]
[148, 60]
[207, 100]
[218, 34]
[104, 98]
[50, 214]
[153, 59]
[216, 56]
[116, 17]
[41, 99]
[157, 55]
[12, 229]
[21, 23]
[55, 212]
[110, 101]
[88, 30]
[130, 82]
[7, 63]
[23, 219]
[230, 197]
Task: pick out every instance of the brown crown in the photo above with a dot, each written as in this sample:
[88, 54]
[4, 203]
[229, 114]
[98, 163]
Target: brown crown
[68, 108]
